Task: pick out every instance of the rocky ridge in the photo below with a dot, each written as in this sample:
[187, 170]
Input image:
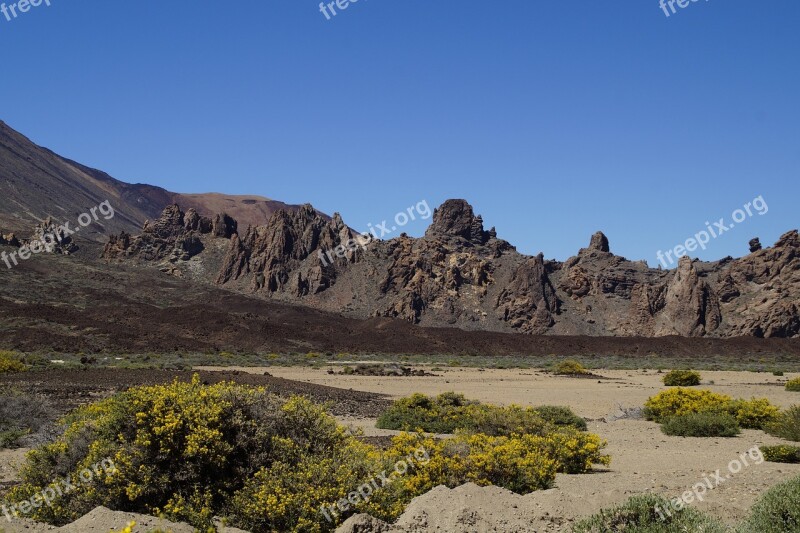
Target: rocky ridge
[460, 274]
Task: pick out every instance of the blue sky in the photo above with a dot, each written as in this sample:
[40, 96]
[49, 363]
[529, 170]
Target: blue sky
[554, 119]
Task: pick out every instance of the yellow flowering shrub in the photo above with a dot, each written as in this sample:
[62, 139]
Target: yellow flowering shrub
[180, 450]
[189, 452]
[793, 385]
[681, 401]
[9, 362]
[755, 413]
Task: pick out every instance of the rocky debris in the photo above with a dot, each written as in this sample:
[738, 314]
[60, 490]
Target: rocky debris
[755, 245]
[382, 371]
[175, 236]
[53, 236]
[9, 239]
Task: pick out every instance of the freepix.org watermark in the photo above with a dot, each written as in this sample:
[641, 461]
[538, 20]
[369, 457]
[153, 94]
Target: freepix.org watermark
[668, 6]
[58, 488]
[710, 482]
[329, 9]
[49, 240]
[365, 491]
[364, 239]
[702, 238]
[12, 11]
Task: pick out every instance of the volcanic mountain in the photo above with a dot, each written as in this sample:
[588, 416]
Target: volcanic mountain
[36, 183]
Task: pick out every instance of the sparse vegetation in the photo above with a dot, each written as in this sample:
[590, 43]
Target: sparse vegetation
[682, 378]
[22, 416]
[701, 425]
[781, 454]
[793, 385]
[10, 362]
[639, 515]
[786, 425]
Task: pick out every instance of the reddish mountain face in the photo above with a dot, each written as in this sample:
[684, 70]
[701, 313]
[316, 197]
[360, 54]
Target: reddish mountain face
[460, 274]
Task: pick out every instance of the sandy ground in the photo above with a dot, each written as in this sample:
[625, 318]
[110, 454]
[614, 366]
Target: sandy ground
[644, 459]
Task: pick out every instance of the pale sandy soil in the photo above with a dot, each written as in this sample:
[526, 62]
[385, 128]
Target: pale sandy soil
[644, 459]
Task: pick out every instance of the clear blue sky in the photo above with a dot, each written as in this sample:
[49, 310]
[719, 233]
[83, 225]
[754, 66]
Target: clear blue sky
[554, 119]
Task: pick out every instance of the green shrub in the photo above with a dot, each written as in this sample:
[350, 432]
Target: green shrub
[570, 368]
[786, 425]
[649, 514]
[449, 412]
[10, 363]
[701, 425]
[22, 417]
[681, 378]
[561, 416]
[793, 385]
[781, 454]
[777, 511]
[778, 373]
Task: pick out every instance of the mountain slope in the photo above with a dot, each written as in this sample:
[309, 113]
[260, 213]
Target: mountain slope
[36, 183]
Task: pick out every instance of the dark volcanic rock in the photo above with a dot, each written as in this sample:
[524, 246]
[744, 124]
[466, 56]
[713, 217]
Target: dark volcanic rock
[461, 275]
[599, 242]
[174, 236]
[755, 245]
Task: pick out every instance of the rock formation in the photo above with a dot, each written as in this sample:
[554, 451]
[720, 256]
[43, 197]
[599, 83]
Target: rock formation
[460, 274]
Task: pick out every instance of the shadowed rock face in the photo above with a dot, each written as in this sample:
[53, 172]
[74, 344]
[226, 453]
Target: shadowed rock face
[461, 274]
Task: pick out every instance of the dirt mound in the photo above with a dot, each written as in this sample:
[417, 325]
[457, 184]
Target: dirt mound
[103, 520]
[467, 509]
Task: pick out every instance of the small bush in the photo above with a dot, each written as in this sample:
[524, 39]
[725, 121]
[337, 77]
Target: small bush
[786, 425]
[649, 514]
[781, 454]
[22, 417]
[570, 368]
[701, 425]
[10, 363]
[682, 378]
[777, 511]
[561, 416]
[778, 373]
[793, 385]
